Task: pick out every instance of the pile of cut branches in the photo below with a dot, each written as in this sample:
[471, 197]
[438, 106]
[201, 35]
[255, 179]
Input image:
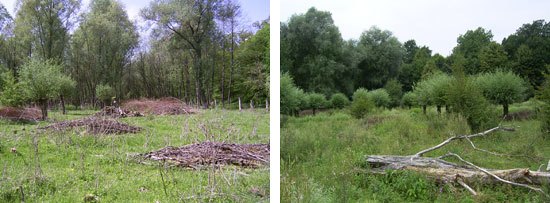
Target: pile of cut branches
[211, 154]
[116, 112]
[26, 114]
[446, 172]
[95, 126]
[163, 106]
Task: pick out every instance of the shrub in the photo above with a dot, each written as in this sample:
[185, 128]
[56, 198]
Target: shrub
[422, 92]
[40, 82]
[380, 97]
[394, 89]
[467, 99]
[11, 93]
[503, 88]
[359, 93]
[289, 99]
[339, 100]
[408, 99]
[439, 91]
[361, 106]
[543, 94]
[316, 101]
[105, 93]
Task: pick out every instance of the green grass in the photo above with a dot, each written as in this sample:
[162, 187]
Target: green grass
[322, 157]
[75, 163]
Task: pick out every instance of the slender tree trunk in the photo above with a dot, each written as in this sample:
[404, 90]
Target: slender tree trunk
[63, 104]
[43, 103]
[505, 108]
[231, 64]
[446, 108]
[439, 109]
[314, 111]
[424, 109]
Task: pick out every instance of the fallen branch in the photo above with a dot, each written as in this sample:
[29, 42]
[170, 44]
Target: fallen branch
[446, 172]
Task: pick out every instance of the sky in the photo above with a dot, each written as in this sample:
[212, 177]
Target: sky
[433, 23]
[252, 10]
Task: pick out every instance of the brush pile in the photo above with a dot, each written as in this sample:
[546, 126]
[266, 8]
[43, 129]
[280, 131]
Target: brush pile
[115, 112]
[26, 114]
[212, 154]
[163, 106]
[95, 126]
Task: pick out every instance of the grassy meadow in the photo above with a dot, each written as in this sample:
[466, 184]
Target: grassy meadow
[323, 156]
[68, 166]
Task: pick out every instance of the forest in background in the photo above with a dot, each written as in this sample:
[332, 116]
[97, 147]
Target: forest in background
[198, 50]
[314, 54]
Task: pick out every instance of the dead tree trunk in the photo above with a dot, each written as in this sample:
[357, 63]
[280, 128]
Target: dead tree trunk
[447, 172]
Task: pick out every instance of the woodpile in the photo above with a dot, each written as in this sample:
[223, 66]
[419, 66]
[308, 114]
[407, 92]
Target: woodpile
[116, 112]
[26, 114]
[95, 126]
[163, 106]
[211, 154]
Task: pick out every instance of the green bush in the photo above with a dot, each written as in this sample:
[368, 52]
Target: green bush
[11, 93]
[439, 91]
[105, 93]
[316, 101]
[361, 106]
[380, 97]
[502, 88]
[467, 99]
[422, 91]
[339, 100]
[359, 93]
[543, 94]
[394, 89]
[408, 99]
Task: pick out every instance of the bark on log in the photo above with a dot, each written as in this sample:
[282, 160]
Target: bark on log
[446, 172]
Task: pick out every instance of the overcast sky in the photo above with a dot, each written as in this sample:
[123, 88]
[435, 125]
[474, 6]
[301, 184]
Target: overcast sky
[433, 23]
[252, 10]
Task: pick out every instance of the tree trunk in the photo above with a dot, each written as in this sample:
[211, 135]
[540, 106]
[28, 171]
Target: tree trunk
[239, 103]
[63, 104]
[43, 103]
[446, 108]
[505, 109]
[439, 109]
[314, 111]
[424, 109]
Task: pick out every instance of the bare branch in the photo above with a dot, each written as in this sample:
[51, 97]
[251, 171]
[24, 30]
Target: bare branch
[419, 154]
[494, 176]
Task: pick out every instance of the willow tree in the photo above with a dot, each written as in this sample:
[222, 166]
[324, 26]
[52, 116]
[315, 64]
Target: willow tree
[190, 21]
[45, 25]
[102, 46]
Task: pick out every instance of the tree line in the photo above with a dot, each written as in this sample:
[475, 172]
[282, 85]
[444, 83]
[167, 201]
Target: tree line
[315, 55]
[379, 71]
[199, 51]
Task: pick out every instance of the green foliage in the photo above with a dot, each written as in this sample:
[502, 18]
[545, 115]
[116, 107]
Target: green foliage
[11, 93]
[40, 80]
[503, 88]
[66, 85]
[543, 94]
[394, 89]
[290, 101]
[470, 45]
[339, 100]
[466, 98]
[361, 92]
[316, 100]
[422, 91]
[408, 99]
[493, 57]
[311, 51]
[528, 50]
[382, 58]
[440, 84]
[380, 97]
[361, 106]
[105, 93]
